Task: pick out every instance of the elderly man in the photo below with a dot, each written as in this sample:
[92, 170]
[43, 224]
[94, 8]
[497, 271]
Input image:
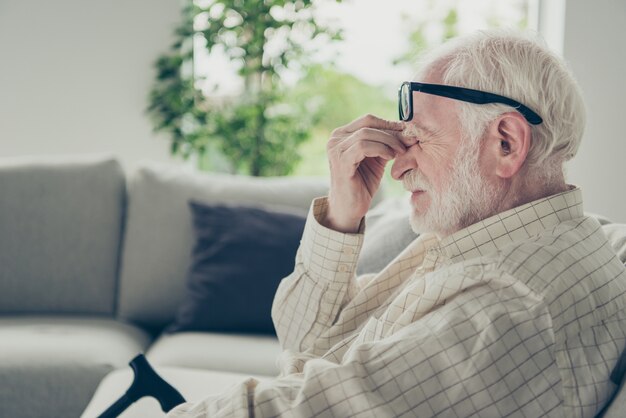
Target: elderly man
[513, 303]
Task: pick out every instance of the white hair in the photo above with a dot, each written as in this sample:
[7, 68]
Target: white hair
[519, 66]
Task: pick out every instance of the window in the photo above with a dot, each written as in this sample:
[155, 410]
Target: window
[361, 73]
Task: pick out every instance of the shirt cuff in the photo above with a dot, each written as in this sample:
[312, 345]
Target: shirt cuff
[329, 255]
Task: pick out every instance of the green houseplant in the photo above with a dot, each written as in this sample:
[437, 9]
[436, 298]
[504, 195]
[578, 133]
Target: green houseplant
[259, 130]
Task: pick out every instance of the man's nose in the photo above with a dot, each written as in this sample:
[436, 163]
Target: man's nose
[404, 162]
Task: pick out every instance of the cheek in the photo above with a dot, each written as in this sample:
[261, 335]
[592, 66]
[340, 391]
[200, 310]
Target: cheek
[486, 162]
[439, 177]
[440, 181]
[438, 169]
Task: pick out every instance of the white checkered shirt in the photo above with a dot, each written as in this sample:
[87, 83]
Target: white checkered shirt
[522, 314]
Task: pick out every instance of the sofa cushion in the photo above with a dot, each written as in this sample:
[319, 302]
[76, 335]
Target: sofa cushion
[616, 235]
[159, 236]
[60, 223]
[387, 233]
[237, 353]
[194, 385]
[50, 366]
[240, 256]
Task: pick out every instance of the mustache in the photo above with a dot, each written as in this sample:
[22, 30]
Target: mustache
[414, 180]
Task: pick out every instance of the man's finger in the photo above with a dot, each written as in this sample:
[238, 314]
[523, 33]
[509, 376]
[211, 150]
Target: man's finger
[390, 138]
[407, 140]
[358, 151]
[371, 121]
[385, 137]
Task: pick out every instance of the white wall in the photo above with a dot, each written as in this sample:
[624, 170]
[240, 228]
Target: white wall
[75, 75]
[595, 47]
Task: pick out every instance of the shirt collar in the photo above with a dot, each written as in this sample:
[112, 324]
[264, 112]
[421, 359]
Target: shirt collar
[519, 223]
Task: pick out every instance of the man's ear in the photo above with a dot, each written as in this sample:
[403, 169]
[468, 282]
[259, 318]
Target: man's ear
[509, 139]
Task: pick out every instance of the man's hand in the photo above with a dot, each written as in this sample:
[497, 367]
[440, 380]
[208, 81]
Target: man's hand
[358, 153]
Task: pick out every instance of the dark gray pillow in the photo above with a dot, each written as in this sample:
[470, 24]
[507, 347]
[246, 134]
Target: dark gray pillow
[240, 256]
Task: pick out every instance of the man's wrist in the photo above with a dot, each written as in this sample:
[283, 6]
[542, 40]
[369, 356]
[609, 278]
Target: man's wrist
[344, 225]
[328, 255]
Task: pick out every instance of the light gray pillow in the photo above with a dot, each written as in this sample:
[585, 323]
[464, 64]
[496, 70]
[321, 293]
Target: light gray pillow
[387, 233]
[159, 235]
[616, 235]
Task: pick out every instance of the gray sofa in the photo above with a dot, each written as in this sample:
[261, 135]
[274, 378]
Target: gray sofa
[92, 268]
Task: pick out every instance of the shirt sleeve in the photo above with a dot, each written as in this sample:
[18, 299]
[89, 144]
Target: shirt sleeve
[309, 300]
[473, 356]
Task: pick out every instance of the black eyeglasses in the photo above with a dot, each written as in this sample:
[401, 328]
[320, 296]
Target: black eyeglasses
[405, 99]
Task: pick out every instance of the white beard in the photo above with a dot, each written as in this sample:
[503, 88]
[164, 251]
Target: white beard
[465, 199]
